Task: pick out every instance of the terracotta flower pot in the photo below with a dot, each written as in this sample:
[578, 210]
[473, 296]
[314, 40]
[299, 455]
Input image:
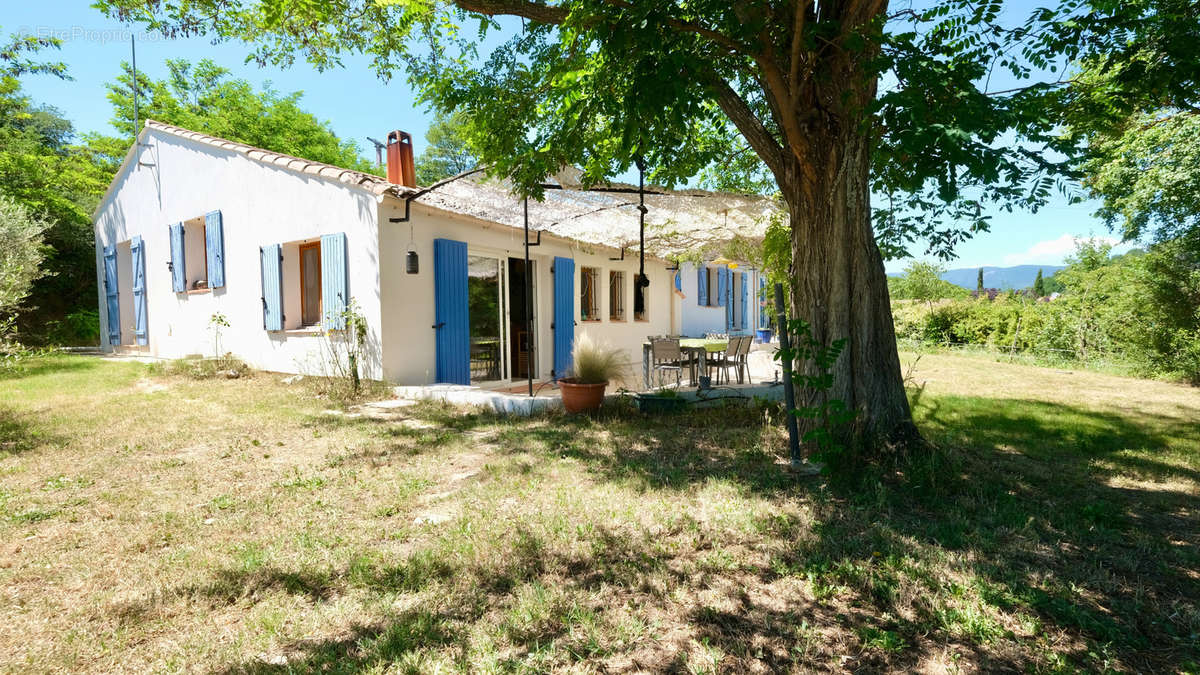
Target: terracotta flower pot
[578, 397]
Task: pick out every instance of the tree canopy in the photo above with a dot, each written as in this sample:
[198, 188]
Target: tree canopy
[204, 97]
[922, 281]
[1147, 174]
[47, 177]
[21, 254]
[448, 152]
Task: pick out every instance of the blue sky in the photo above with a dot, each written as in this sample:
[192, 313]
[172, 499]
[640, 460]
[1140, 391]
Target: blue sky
[359, 105]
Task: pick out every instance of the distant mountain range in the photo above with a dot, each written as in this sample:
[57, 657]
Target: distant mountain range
[1016, 277]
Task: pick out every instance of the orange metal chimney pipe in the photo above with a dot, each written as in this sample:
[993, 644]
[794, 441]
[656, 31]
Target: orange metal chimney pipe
[400, 167]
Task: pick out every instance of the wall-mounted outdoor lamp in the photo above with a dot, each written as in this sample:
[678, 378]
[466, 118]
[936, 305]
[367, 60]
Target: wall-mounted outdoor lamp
[411, 261]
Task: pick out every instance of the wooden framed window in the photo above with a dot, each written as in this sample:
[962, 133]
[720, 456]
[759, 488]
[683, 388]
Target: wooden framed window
[616, 296]
[589, 307]
[195, 246]
[310, 284]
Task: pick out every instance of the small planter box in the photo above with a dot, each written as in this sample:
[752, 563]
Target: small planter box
[656, 404]
[764, 335]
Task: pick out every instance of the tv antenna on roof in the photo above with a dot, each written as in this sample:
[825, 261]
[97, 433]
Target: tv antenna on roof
[133, 64]
[379, 148]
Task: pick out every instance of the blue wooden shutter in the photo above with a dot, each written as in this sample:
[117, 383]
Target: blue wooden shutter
[745, 300]
[178, 267]
[110, 295]
[451, 316]
[564, 315]
[763, 311]
[702, 286]
[214, 245]
[272, 286]
[722, 285]
[334, 280]
[137, 251]
[678, 282]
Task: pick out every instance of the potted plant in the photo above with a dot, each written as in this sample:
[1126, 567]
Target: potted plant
[595, 366]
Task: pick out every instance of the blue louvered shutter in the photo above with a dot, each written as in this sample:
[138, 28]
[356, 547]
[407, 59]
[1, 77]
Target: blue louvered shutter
[451, 316]
[745, 301]
[564, 315]
[334, 280]
[137, 254]
[763, 312]
[214, 246]
[702, 286]
[110, 295]
[272, 286]
[722, 285]
[178, 267]
[678, 282]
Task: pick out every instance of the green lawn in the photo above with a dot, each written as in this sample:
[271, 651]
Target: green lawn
[153, 522]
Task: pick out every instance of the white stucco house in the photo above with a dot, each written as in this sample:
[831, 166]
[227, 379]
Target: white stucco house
[194, 226]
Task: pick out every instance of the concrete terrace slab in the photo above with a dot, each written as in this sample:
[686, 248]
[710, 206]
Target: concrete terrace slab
[501, 402]
[523, 405]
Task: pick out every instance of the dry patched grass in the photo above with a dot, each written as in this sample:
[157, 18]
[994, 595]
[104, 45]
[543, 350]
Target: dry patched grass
[151, 521]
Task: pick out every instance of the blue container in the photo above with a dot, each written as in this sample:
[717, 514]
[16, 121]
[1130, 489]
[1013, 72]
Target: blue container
[764, 335]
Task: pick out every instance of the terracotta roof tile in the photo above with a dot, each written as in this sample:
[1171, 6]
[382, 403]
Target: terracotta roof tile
[374, 184]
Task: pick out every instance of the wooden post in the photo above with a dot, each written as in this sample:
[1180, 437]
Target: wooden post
[789, 390]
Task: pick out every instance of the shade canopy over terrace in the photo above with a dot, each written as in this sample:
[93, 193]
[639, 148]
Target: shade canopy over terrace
[678, 222]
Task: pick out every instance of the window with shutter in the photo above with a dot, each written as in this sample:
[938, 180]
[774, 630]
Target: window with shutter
[178, 259]
[310, 284]
[271, 259]
[214, 248]
[334, 280]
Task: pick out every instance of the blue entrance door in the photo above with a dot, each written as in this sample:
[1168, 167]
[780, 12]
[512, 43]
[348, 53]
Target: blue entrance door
[564, 315]
[451, 322]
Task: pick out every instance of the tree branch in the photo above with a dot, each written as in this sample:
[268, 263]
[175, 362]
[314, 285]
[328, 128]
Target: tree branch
[527, 9]
[797, 48]
[757, 135]
[547, 14]
[692, 27]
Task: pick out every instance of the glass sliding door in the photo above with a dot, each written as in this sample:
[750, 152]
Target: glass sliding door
[522, 317]
[486, 309]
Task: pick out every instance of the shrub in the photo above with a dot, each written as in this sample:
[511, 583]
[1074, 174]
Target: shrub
[596, 362]
[21, 252]
[76, 328]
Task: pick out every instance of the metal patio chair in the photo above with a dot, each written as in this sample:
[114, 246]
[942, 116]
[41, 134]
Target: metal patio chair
[743, 358]
[725, 360]
[667, 357]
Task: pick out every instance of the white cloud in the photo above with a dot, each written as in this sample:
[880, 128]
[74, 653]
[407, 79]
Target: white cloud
[1055, 251]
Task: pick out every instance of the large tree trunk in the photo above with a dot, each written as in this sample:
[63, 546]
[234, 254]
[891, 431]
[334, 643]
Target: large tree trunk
[838, 285]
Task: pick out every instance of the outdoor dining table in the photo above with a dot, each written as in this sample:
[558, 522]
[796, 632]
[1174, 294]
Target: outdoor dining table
[695, 349]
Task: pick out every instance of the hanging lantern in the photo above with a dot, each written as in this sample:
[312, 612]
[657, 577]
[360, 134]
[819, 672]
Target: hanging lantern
[411, 262]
